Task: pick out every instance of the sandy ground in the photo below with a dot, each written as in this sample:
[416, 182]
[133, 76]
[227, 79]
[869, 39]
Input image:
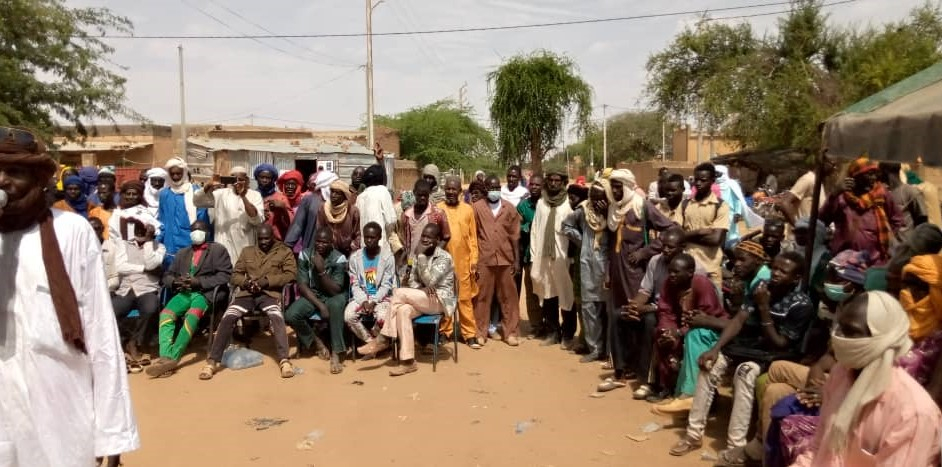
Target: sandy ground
[465, 414]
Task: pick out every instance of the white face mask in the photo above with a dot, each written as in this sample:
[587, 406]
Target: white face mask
[493, 196]
[197, 237]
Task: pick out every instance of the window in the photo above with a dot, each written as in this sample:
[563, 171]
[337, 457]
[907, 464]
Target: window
[327, 165]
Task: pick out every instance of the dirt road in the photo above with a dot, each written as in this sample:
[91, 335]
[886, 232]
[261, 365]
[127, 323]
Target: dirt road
[499, 406]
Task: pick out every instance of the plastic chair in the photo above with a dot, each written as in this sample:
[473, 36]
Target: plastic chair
[436, 321]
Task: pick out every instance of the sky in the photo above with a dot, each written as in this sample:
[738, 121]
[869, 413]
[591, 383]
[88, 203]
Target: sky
[320, 82]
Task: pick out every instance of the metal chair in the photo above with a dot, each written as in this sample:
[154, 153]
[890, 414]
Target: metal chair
[255, 315]
[436, 321]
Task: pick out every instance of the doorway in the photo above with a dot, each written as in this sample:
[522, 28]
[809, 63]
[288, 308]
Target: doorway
[307, 167]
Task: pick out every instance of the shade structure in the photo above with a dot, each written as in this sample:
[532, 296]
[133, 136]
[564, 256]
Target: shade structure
[900, 123]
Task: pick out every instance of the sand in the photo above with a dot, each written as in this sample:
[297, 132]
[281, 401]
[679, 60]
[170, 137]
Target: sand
[464, 414]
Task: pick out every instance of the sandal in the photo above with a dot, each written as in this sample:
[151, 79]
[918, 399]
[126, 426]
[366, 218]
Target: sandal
[610, 384]
[404, 370]
[144, 360]
[132, 365]
[161, 367]
[207, 372]
[607, 365]
[320, 349]
[287, 370]
[336, 367]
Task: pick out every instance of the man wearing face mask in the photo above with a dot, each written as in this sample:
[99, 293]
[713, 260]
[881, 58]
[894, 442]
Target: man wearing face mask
[195, 272]
[498, 231]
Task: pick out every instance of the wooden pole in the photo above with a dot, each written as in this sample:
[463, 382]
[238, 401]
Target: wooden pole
[813, 220]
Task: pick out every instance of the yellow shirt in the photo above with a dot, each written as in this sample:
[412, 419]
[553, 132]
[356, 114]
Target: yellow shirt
[706, 214]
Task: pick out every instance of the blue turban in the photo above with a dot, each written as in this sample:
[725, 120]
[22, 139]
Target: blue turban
[266, 191]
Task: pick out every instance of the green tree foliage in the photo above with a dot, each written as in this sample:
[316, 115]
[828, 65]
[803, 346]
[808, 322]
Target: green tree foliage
[54, 69]
[444, 134]
[772, 92]
[632, 136]
[531, 96]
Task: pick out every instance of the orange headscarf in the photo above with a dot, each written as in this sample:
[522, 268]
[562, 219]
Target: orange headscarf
[925, 316]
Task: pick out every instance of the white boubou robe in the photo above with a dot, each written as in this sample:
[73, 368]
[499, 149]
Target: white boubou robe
[551, 276]
[58, 406]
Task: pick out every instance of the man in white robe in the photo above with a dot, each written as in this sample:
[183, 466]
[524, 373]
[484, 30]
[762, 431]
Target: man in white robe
[548, 247]
[64, 396]
[237, 212]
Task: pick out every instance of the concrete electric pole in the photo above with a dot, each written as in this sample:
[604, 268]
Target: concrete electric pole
[604, 136]
[182, 107]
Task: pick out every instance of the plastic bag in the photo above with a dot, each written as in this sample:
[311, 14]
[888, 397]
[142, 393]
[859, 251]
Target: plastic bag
[239, 358]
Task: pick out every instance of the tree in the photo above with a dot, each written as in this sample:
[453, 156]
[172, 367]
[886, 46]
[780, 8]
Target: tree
[531, 96]
[444, 134]
[772, 92]
[632, 136]
[53, 66]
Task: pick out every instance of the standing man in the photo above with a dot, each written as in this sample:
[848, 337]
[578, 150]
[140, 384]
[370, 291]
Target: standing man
[341, 217]
[513, 193]
[671, 198]
[796, 202]
[548, 247]
[356, 180]
[498, 229]
[432, 175]
[527, 209]
[589, 226]
[54, 281]
[375, 205]
[865, 214]
[260, 274]
[463, 249]
[422, 213]
[705, 221]
[301, 233]
[238, 212]
[155, 180]
[278, 212]
[654, 193]
[177, 211]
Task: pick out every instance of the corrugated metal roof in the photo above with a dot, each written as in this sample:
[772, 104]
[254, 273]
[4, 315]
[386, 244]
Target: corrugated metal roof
[283, 146]
[100, 146]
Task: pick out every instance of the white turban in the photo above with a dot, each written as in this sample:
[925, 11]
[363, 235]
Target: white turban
[150, 194]
[238, 170]
[175, 162]
[629, 201]
[323, 181]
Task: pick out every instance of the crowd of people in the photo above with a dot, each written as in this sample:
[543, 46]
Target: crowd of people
[658, 287]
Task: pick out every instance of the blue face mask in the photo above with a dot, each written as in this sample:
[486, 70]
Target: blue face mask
[493, 196]
[836, 292]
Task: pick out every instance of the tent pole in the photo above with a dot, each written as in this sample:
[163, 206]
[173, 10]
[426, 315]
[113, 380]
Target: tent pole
[813, 221]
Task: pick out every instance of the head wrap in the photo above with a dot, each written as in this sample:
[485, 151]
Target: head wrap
[479, 173]
[407, 200]
[183, 187]
[861, 165]
[596, 221]
[89, 175]
[432, 170]
[79, 204]
[150, 193]
[852, 265]
[237, 170]
[136, 185]
[753, 248]
[874, 357]
[337, 214]
[607, 172]
[266, 191]
[62, 172]
[581, 191]
[293, 201]
[629, 201]
[106, 170]
[374, 175]
[912, 178]
[925, 316]
[30, 210]
[322, 183]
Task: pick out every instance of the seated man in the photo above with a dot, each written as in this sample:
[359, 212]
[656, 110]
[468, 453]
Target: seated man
[430, 290]
[192, 276]
[770, 326]
[260, 274]
[137, 264]
[372, 278]
[645, 302]
[322, 281]
[770, 236]
[689, 319]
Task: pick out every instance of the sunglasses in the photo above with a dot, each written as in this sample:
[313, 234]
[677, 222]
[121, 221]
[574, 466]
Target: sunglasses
[14, 140]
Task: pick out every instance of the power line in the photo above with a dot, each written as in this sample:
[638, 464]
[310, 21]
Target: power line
[488, 28]
[247, 36]
[289, 41]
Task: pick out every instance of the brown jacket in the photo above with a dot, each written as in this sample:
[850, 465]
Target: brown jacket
[278, 266]
[497, 236]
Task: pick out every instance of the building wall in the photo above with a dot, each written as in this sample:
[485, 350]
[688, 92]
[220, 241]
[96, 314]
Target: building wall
[646, 172]
[685, 142]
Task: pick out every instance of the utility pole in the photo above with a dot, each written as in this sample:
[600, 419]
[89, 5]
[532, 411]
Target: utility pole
[604, 136]
[182, 107]
[463, 96]
[369, 70]
[663, 139]
[699, 133]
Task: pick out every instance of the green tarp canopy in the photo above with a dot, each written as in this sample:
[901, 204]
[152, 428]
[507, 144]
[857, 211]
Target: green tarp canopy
[900, 123]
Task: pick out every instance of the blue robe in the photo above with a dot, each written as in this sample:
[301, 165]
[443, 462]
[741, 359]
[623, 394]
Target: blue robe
[171, 212]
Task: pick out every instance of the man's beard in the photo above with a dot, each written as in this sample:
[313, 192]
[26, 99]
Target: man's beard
[451, 202]
[24, 212]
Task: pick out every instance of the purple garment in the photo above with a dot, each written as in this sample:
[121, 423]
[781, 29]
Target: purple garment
[791, 431]
[856, 229]
[920, 361]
